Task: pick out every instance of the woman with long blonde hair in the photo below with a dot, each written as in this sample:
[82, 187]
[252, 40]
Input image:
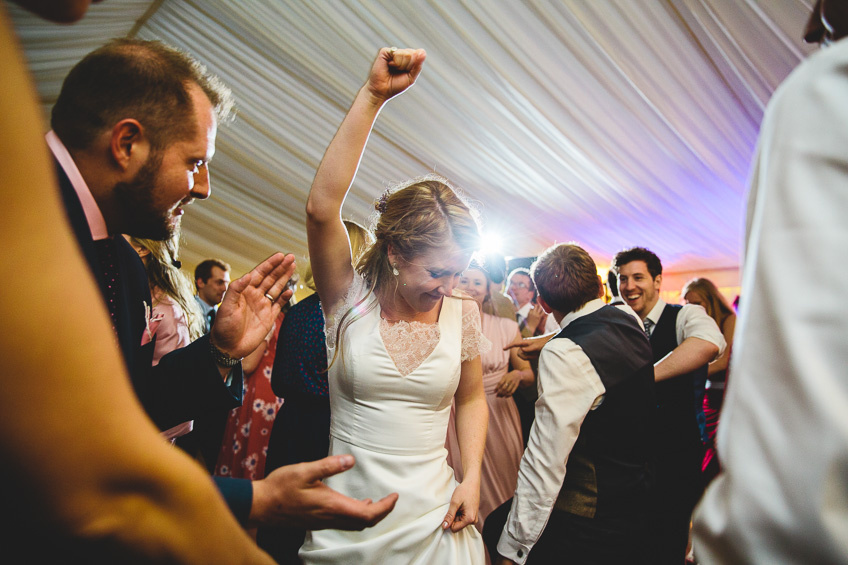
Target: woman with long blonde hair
[175, 318]
[403, 347]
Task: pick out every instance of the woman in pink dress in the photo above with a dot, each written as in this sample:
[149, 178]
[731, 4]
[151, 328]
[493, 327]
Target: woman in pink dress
[503, 373]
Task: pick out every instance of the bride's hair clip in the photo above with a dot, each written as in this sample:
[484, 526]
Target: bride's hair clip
[380, 205]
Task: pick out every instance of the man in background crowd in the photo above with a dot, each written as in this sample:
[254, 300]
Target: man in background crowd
[532, 319]
[684, 340]
[211, 277]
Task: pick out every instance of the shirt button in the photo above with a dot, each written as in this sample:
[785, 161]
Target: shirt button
[521, 553]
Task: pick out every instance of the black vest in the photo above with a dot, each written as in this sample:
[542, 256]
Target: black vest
[609, 471]
[680, 400]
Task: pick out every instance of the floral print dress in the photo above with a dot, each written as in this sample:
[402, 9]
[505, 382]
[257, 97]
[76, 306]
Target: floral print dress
[248, 430]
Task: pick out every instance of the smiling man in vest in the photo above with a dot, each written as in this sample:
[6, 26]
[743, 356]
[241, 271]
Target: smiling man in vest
[684, 340]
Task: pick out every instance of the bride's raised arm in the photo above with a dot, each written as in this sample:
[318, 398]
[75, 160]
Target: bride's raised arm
[393, 71]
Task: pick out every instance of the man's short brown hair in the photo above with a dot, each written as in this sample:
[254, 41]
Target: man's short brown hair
[203, 271]
[132, 78]
[638, 254]
[566, 277]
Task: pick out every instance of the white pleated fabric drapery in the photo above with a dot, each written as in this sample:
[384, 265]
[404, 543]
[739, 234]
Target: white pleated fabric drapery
[609, 123]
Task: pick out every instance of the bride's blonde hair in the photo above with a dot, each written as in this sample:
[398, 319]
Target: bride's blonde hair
[414, 217]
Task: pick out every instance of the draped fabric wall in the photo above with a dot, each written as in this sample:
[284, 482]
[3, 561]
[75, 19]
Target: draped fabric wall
[607, 122]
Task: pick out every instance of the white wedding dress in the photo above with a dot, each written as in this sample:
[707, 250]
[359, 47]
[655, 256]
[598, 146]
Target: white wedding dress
[391, 410]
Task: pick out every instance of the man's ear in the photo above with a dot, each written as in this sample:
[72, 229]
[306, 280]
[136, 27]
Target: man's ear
[543, 304]
[128, 145]
[658, 281]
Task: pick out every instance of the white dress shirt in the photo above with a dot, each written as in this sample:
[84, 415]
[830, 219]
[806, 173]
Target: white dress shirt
[692, 321]
[782, 496]
[569, 387]
[205, 309]
[550, 323]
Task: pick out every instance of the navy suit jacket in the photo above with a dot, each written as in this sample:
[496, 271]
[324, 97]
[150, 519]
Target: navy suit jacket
[186, 381]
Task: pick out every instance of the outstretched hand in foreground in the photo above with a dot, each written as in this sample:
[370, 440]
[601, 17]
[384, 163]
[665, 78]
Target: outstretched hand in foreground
[295, 496]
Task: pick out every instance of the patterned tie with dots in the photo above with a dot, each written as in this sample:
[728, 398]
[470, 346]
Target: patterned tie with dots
[111, 276]
[649, 327]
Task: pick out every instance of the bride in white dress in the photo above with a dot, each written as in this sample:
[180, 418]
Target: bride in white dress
[402, 348]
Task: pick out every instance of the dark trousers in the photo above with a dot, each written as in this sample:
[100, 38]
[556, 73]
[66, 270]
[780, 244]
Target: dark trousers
[678, 487]
[569, 538]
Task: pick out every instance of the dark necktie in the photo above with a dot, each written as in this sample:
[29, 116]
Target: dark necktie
[211, 316]
[649, 327]
[111, 276]
[522, 322]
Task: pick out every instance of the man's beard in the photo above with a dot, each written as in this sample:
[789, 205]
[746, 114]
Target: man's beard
[135, 198]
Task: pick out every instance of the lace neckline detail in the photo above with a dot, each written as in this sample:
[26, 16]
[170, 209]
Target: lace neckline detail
[409, 344]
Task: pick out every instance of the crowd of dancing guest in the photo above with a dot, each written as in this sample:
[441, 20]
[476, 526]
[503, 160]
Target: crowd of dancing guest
[400, 318]
[302, 427]
[398, 333]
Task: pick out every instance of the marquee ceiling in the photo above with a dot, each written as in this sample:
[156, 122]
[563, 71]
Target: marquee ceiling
[611, 123]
